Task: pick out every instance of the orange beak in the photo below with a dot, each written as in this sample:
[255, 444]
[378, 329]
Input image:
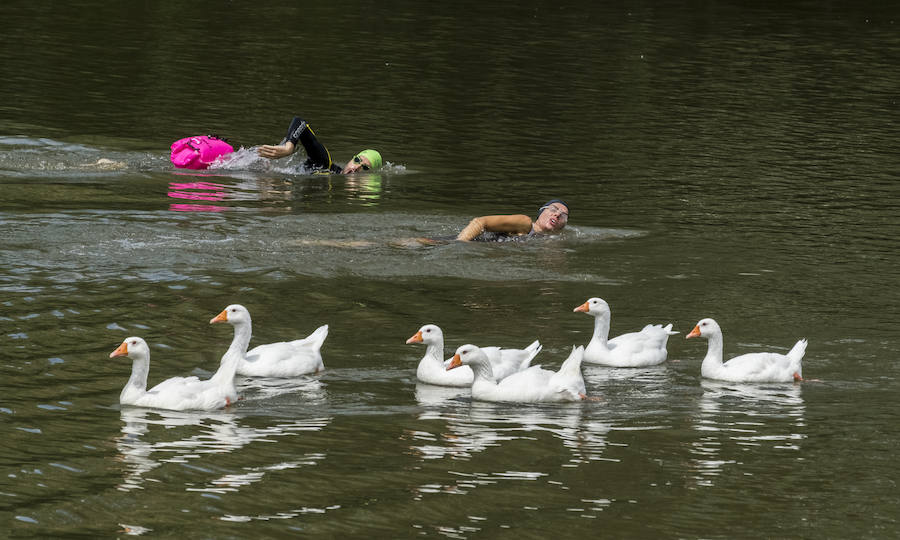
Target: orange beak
[417, 338]
[122, 350]
[583, 308]
[455, 363]
[694, 333]
[221, 317]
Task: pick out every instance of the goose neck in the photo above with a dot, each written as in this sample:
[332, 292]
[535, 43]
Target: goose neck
[140, 368]
[482, 370]
[235, 353]
[434, 352]
[714, 350]
[601, 328]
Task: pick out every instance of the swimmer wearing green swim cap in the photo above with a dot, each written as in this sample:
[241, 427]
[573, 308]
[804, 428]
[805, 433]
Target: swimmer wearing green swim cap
[318, 157]
[367, 160]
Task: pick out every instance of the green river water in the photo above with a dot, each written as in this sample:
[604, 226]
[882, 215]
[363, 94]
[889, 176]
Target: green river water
[732, 160]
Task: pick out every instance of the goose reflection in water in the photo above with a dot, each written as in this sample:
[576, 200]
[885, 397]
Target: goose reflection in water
[431, 395]
[736, 416]
[651, 382]
[308, 390]
[469, 427]
[142, 446]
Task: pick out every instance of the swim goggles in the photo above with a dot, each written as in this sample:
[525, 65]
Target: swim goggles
[357, 159]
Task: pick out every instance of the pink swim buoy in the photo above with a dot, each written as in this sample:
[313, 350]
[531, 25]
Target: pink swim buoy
[198, 152]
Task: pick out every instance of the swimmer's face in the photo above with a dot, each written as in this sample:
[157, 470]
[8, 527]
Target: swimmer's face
[553, 218]
[358, 163]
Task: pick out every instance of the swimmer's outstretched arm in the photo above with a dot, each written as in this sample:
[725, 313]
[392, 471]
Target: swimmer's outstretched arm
[299, 131]
[514, 224]
[288, 145]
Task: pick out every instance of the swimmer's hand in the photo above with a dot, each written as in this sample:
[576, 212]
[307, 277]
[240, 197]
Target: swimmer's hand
[276, 151]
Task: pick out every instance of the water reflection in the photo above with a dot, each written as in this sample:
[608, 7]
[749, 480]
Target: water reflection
[736, 417]
[308, 390]
[430, 395]
[199, 191]
[469, 428]
[367, 188]
[196, 208]
[473, 426]
[284, 191]
[151, 438]
[654, 381]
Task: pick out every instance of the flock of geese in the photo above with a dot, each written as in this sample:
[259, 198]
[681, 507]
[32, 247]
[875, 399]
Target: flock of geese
[493, 373]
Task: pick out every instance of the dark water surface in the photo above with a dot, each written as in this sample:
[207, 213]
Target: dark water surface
[721, 160]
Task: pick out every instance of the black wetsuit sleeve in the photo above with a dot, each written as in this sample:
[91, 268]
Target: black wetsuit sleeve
[319, 158]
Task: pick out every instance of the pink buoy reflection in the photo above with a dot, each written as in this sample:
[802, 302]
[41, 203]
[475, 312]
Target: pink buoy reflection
[197, 191]
[197, 208]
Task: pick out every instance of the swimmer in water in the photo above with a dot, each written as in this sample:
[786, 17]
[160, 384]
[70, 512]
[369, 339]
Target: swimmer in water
[318, 157]
[551, 219]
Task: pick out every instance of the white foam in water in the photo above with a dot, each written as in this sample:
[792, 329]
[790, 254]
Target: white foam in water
[23, 156]
[243, 159]
[20, 141]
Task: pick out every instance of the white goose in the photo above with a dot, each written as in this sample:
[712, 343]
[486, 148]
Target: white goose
[635, 349]
[432, 368]
[177, 393]
[534, 384]
[751, 367]
[283, 359]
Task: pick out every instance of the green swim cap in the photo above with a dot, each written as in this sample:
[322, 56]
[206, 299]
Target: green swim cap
[373, 156]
